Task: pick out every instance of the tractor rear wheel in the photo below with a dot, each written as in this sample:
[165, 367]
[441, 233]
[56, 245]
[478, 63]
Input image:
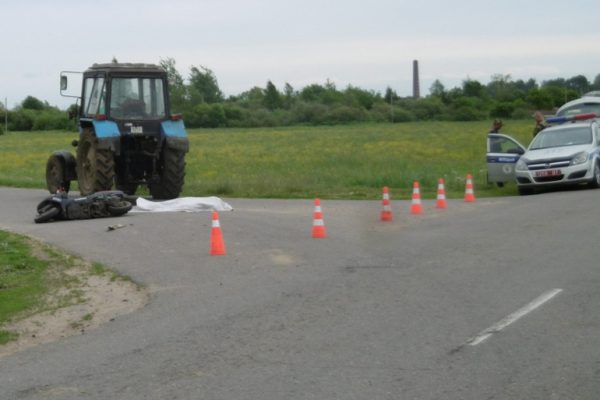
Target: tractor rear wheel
[171, 175]
[56, 175]
[95, 167]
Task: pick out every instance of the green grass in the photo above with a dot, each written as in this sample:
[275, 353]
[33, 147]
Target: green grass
[343, 162]
[22, 279]
[35, 278]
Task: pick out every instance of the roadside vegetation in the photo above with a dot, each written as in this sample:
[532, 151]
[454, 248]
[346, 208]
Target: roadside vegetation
[29, 274]
[344, 162]
[199, 98]
[36, 278]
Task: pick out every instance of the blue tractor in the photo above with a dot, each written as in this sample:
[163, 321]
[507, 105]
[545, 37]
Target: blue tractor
[127, 134]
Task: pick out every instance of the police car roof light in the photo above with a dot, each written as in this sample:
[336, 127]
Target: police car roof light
[581, 117]
[578, 117]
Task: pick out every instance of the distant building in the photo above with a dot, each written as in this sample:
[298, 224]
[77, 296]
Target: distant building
[416, 85]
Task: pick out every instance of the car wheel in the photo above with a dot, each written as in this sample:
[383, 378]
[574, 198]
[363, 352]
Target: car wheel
[595, 183]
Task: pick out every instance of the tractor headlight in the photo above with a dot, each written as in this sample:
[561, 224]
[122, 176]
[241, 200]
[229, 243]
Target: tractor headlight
[521, 165]
[579, 158]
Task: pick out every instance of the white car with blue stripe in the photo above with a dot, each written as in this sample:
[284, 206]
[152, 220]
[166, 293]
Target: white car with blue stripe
[565, 154]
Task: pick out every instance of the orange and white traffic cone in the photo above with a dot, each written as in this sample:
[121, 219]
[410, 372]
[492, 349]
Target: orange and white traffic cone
[217, 245]
[441, 195]
[318, 229]
[386, 213]
[416, 207]
[469, 193]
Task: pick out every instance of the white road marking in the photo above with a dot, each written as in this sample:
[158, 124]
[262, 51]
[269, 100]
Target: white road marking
[498, 326]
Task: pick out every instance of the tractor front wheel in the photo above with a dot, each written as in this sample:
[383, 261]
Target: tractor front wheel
[171, 175]
[95, 167]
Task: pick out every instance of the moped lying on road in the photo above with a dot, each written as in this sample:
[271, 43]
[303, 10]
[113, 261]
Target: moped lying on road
[60, 206]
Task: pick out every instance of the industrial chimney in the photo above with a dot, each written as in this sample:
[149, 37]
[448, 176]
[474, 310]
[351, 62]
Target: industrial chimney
[416, 89]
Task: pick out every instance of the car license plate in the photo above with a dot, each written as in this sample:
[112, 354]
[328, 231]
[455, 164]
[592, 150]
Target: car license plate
[548, 172]
[137, 129]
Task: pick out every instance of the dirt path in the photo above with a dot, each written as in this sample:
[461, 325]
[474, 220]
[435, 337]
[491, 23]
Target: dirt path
[100, 297]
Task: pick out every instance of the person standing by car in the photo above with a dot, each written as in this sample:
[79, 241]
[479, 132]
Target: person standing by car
[540, 124]
[496, 126]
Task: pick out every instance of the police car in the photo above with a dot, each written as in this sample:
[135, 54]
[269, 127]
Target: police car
[564, 154]
[588, 103]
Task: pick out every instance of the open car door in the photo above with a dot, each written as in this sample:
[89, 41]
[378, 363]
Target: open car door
[503, 152]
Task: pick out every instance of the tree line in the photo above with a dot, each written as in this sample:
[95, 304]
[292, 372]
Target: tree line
[203, 104]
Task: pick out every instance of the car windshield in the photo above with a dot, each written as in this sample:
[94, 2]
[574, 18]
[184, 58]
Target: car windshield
[562, 137]
[137, 98]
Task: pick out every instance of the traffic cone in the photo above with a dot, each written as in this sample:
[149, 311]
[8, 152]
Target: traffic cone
[416, 207]
[441, 195]
[318, 229]
[217, 246]
[386, 213]
[469, 194]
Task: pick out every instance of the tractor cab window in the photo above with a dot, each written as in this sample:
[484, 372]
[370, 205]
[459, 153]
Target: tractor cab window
[137, 98]
[94, 97]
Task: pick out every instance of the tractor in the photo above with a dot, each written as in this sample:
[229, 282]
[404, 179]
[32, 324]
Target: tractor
[127, 134]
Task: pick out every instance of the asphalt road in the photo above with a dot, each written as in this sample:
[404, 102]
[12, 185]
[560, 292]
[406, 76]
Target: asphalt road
[446, 305]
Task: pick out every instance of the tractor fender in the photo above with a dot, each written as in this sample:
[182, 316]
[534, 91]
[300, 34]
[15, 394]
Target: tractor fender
[171, 128]
[108, 135]
[177, 143]
[175, 135]
[68, 161]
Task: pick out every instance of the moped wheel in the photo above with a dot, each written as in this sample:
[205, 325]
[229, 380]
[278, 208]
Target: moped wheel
[119, 208]
[46, 213]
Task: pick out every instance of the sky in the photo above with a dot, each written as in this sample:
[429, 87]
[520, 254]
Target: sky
[368, 44]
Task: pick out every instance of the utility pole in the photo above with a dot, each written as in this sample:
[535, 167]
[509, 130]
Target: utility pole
[391, 107]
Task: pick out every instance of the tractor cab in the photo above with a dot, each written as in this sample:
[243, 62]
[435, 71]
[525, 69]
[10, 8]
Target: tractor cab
[132, 95]
[127, 134]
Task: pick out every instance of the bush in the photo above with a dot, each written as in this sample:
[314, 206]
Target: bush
[50, 119]
[20, 120]
[234, 115]
[345, 115]
[427, 108]
[309, 113]
[503, 109]
[465, 113]
[206, 115]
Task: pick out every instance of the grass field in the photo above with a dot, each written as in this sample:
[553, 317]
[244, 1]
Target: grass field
[341, 162]
[29, 273]
[37, 278]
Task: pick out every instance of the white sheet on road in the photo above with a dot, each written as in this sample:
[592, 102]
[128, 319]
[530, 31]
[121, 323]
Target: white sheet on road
[183, 204]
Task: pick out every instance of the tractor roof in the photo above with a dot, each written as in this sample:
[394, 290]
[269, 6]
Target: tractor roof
[126, 67]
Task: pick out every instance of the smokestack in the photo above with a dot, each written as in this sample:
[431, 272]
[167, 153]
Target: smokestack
[416, 86]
